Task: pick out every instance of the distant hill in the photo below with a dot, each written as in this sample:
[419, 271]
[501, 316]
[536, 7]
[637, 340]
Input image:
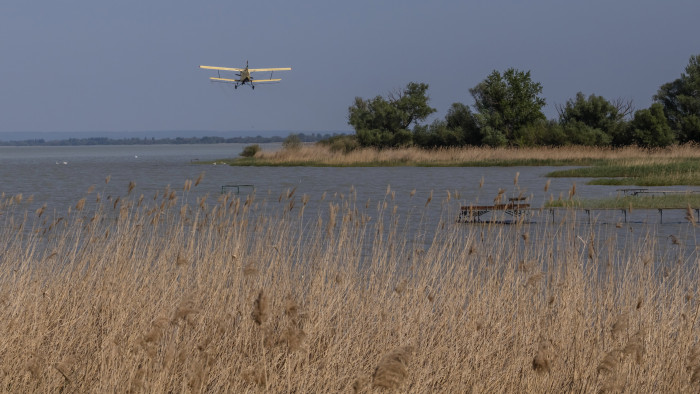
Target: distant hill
[148, 138]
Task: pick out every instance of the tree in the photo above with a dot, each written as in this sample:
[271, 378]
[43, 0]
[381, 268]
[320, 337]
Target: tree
[385, 122]
[579, 133]
[649, 128]
[681, 102]
[542, 132]
[506, 103]
[459, 128]
[598, 115]
[461, 119]
[437, 134]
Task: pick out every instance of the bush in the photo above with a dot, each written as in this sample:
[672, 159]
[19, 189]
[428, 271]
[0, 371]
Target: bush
[341, 143]
[251, 150]
[292, 142]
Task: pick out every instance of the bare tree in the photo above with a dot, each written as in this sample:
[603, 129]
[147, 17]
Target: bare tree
[625, 107]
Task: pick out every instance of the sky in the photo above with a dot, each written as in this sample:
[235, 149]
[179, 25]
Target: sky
[132, 65]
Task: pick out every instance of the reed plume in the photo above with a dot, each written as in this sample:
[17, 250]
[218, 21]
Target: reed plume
[199, 179]
[693, 364]
[184, 310]
[392, 369]
[689, 216]
[620, 325]
[260, 309]
[542, 361]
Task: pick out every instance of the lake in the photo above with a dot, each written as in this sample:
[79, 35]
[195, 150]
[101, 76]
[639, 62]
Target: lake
[60, 176]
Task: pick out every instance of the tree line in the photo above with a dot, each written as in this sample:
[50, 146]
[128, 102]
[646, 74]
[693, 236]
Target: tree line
[313, 137]
[507, 111]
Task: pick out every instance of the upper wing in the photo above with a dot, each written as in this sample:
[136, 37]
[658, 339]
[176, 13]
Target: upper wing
[222, 68]
[270, 69]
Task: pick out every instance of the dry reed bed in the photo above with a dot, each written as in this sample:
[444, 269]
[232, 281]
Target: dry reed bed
[158, 295]
[321, 154]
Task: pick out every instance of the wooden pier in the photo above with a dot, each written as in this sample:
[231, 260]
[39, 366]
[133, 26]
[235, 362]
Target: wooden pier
[515, 207]
[519, 212]
[652, 192]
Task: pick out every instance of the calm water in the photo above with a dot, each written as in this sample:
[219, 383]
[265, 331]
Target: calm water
[60, 176]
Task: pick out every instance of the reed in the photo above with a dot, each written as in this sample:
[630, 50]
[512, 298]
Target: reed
[240, 295]
[319, 155]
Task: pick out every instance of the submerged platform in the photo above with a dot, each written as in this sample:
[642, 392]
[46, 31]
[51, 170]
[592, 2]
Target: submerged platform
[516, 208]
[521, 212]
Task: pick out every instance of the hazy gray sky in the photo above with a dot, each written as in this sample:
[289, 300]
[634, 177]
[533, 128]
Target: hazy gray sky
[79, 65]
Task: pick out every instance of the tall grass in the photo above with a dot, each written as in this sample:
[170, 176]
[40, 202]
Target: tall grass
[648, 171]
[671, 201]
[319, 155]
[162, 294]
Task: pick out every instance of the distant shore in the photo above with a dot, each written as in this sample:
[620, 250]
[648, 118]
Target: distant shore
[88, 141]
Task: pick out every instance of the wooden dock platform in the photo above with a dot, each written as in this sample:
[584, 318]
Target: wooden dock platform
[518, 210]
[642, 191]
[515, 207]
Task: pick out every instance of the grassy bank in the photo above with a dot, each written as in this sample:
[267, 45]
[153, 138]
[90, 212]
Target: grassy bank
[650, 171]
[676, 201]
[153, 294]
[317, 155]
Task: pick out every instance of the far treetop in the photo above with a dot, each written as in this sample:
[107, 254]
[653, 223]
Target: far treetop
[507, 111]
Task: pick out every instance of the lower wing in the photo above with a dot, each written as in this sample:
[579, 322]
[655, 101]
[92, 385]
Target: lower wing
[238, 80]
[224, 80]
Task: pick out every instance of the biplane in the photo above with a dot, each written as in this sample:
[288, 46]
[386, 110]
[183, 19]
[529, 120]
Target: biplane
[243, 75]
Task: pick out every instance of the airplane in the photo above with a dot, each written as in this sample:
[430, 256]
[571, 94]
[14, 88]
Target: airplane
[244, 75]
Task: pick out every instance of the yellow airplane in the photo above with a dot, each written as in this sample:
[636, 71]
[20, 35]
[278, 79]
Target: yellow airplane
[243, 74]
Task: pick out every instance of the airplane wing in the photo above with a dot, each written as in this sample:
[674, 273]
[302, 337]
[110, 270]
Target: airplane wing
[223, 80]
[269, 69]
[266, 80]
[222, 68]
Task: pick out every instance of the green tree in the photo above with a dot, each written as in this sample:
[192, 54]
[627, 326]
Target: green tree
[505, 103]
[649, 127]
[579, 133]
[598, 115]
[437, 134]
[461, 119]
[542, 132]
[459, 128]
[681, 102]
[386, 122]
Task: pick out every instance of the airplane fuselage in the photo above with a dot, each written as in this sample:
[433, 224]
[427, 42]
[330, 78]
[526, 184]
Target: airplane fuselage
[245, 76]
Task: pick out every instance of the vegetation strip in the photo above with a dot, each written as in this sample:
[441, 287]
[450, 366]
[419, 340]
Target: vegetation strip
[642, 172]
[682, 201]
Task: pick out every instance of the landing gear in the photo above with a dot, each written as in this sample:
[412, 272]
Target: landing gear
[252, 86]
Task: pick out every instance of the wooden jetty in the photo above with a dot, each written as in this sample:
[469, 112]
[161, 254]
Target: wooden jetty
[516, 208]
[642, 191]
[235, 189]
